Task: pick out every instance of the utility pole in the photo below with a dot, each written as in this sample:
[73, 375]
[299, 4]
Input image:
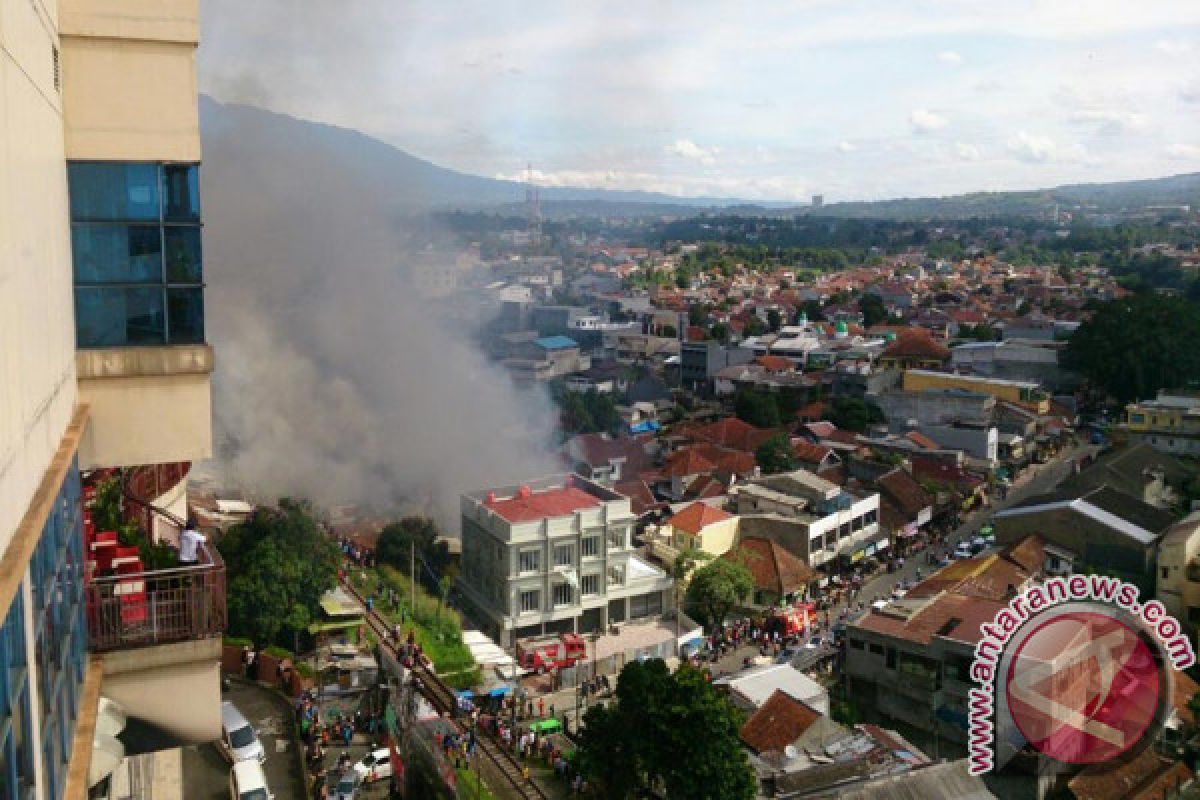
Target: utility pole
[412, 571]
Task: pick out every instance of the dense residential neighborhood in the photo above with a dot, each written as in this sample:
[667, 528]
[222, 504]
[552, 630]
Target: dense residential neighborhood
[382, 479]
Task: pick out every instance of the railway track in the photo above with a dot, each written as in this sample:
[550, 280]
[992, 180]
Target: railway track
[443, 699]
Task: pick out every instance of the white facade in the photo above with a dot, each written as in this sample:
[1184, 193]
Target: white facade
[574, 572]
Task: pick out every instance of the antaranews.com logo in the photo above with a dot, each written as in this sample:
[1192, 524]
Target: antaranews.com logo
[1077, 669]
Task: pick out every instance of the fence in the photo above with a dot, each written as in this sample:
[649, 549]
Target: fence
[147, 608]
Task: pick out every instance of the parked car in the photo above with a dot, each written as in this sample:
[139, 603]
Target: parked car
[544, 726]
[979, 544]
[375, 766]
[787, 654]
[247, 781]
[963, 550]
[238, 741]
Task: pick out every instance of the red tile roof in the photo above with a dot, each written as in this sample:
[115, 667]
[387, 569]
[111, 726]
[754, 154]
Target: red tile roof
[810, 453]
[918, 438]
[774, 568]
[776, 363]
[916, 343]
[904, 490]
[539, 505]
[685, 462]
[1149, 776]
[731, 432]
[697, 517]
[777, 723]
[641, 499]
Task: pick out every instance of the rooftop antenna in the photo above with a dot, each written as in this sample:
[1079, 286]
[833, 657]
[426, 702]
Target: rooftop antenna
[533, 207]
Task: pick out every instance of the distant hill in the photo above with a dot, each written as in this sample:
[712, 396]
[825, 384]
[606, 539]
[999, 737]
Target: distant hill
[343, 158]
[307, 153]
[1102, 197]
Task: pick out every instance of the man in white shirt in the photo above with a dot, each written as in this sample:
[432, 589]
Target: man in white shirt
[189, 542]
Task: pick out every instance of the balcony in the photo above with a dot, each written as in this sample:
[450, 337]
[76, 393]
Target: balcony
[130, 608]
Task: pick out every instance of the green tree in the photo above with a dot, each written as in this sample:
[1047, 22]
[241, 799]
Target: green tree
[775, 454]
[854, 414]
[1134, 346]
[717, 588]
[774, 320]
[756, 408]
[587, 412]
[873, 310]
[719, 331]
[278, 563]
[647, 740]
[397, 539]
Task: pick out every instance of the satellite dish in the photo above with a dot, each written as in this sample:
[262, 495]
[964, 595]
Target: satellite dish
[790, 752]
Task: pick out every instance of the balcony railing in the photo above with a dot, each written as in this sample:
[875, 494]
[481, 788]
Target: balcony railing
[142, 609]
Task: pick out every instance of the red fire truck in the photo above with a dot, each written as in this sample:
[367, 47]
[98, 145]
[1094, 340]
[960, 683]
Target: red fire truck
[547, 655]
[791, 621]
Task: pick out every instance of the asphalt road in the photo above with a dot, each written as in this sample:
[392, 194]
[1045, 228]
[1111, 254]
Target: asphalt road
[206, 770]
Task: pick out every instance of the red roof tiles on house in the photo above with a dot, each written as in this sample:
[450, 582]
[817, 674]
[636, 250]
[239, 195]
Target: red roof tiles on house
[697, 517]
[780, 721]
[688, 461]
[920, 439]
[916, 343]
[733, 433]
[773, 568]
[810, 453]
[548, 503]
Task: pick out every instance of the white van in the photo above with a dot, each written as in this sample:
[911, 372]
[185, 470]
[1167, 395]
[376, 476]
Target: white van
[247, 782]
[239, 742]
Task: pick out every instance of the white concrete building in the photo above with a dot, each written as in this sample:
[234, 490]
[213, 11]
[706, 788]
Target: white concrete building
[555, 556]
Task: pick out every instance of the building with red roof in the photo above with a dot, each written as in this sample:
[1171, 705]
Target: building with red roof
[914, 348]
[554, 556]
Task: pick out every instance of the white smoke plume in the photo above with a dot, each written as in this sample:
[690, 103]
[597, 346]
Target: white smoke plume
[336, 380]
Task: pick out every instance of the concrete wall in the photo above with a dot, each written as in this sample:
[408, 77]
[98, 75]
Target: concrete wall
[37, 321]
[150, 405]
[129, 79]
[176, 687]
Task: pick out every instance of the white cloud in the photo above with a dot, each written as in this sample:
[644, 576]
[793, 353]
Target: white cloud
[846, 147]
[925, 121]
[686, 148]
[1184, 152]
[967, 152]
[950, 57]
[1173, 47]
[1190, 93]
[1037, 149]
[1110, 120]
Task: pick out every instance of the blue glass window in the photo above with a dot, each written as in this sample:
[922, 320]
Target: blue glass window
[185, 308]
[16, 740]
[181, 193]
[138, 261]
[117, 253]
[114, 191]
[60, 629]
[122, 317]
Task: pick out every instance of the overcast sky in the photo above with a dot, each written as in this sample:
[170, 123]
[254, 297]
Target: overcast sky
[855, 99]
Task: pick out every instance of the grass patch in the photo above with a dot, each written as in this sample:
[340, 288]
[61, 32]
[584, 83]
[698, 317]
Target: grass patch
[471, 786]
[438, 632]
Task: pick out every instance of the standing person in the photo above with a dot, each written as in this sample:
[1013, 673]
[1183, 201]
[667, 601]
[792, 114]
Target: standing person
[189, 543]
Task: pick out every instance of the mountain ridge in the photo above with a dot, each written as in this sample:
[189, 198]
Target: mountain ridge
[410, 183]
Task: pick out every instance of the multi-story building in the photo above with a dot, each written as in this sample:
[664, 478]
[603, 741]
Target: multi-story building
[1022, 393]
[832, 523]
[555, 556]
[1170, 422]
[103, 363]
[911, 659]
[1177, 578]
